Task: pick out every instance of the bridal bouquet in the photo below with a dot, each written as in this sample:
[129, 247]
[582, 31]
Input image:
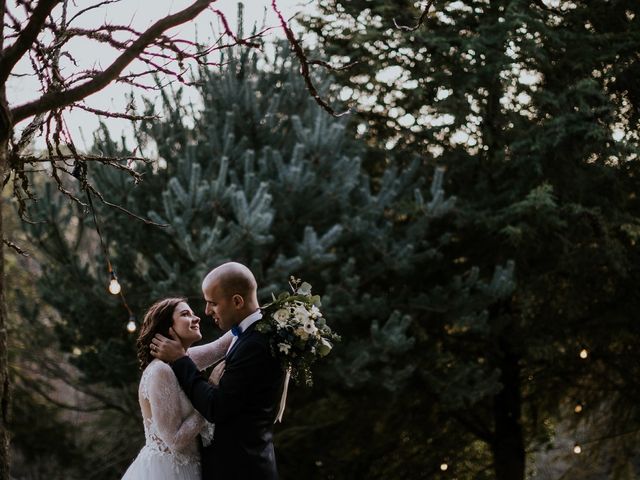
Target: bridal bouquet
[299, 334]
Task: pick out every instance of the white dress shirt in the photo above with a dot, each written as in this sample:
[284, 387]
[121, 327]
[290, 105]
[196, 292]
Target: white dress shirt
[244, 324]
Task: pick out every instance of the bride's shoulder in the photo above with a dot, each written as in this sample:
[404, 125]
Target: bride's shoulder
[157, 368]
[157, 375]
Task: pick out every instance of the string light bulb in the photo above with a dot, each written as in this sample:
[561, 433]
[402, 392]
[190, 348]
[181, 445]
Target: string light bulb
[577, 449]
[584, 353]
[444, 467]
[578, 408]
[114, 286]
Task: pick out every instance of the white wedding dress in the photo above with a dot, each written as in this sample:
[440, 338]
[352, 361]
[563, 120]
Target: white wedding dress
[171, 425]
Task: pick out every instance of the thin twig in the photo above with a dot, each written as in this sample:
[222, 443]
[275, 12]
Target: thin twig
[14, 247]
[304, 64]
[421, 20]
[122, 209]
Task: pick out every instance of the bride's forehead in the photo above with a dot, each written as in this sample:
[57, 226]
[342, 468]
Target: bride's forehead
[181, 307]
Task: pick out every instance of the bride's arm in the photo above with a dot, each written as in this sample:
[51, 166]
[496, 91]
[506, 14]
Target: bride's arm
[163, 393]
[206, 355]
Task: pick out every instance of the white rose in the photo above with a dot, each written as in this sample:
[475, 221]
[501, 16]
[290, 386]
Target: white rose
[315, 312]
[281, 316]
[301, 314]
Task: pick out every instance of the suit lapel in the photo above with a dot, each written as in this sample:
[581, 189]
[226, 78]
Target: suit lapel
[244, 335]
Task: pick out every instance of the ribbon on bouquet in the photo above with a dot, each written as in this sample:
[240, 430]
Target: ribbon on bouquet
[283, 399]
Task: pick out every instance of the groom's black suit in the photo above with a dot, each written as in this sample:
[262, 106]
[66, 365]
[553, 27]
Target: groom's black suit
[243, 408]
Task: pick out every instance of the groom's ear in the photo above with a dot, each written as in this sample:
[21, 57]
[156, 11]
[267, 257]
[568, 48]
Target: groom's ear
[238, 301]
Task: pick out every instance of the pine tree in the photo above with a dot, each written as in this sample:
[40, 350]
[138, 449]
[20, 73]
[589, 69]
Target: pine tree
[532, 107]
[261, 175]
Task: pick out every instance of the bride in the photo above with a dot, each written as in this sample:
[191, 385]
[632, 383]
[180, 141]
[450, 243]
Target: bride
[171, 425]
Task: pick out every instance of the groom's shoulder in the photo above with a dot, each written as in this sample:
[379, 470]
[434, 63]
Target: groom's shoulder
[256, 340]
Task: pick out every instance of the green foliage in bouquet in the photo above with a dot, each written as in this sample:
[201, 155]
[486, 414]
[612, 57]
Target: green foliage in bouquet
[298, 333]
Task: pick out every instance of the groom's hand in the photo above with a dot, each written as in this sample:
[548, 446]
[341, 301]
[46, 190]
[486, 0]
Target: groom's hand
[216, 374]
[167, 349]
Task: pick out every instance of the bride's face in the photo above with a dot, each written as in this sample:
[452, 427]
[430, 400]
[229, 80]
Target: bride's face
[186, 324]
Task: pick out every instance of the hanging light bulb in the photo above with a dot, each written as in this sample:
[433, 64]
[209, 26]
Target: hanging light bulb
[132, 326]
[578, 408]
[577, 450]
[584, 353]
[114, 286]
[444, 467]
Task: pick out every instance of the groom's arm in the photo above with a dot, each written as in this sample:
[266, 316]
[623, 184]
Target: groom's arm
[233, 394]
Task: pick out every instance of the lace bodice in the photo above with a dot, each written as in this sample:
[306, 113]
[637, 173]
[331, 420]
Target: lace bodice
[171, 424]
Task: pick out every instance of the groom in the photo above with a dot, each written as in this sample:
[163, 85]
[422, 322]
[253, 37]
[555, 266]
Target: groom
[244, 404]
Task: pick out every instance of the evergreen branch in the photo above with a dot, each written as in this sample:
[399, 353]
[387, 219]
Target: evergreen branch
[35, 386]
[49, 367]
[479, 431]
[304, 64]
[421, 20]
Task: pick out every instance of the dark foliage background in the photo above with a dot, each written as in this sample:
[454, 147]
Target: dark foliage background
[472, 229]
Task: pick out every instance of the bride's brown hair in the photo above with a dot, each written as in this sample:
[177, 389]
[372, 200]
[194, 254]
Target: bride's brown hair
[158, 319]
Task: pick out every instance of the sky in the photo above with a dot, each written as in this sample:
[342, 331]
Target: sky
[139, 15]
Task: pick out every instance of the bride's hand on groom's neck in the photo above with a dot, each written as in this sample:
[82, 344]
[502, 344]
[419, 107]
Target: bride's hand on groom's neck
[167, 349]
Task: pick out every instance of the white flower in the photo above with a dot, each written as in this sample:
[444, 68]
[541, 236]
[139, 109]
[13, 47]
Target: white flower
[310, 327]
[301, 314]
[315, 312]
[281, 316]
[284, 347]
[304, 289]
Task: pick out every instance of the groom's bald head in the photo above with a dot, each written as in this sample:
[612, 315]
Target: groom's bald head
[230, 291]
[233, 278]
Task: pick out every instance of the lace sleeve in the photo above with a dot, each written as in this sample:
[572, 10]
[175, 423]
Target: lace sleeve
[163, 390]
[206, 355]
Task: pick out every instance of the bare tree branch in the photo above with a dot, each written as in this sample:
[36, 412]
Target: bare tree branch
[304, 63]
[12, 54]
[92, 7]
[104, 113]
[14, 247]
[122, 209]
[421, 20]
[55, 100]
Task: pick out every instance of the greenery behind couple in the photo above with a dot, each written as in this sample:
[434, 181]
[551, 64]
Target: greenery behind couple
[431, 343]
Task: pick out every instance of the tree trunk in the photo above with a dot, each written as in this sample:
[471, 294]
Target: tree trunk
[5, 129]
[508, 445]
